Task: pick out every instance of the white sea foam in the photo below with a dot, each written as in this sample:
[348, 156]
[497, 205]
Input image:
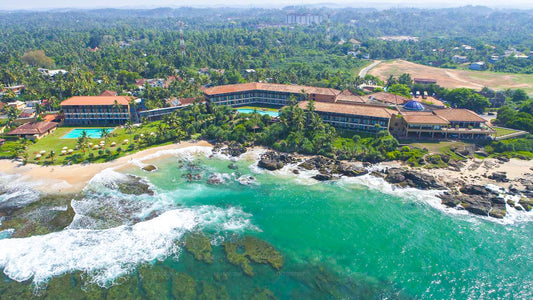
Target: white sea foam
[16, 190]
[187, 151]
[110, 253]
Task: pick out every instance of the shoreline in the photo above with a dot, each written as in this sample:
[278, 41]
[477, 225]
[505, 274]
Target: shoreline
[73, 178]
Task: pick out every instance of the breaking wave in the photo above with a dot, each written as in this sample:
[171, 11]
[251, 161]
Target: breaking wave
[110, 253]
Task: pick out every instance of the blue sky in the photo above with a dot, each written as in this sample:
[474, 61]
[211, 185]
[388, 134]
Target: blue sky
[46, 4]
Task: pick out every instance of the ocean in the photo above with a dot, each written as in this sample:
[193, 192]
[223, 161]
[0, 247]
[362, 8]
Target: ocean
[352, 238]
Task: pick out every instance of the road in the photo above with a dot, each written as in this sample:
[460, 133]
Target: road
[365, 70]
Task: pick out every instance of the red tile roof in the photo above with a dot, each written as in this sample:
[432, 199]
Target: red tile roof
[347, 97]
[459, 115]
[108, 93]
[424, 118]
[33, 128]
[97, 100]
[254, 86]
[350, 109]
[388, 98]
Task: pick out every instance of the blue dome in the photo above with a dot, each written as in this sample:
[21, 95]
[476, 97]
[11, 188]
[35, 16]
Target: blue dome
[413, 105]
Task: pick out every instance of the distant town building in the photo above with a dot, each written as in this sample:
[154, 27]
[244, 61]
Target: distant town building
[459, 59]
[109, 93]
[17, 104]
[303, 18]
[477, 66]
[425, 81]
[51, 73]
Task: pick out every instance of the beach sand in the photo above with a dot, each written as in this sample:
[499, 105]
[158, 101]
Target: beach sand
[73, 178]
[477, 171]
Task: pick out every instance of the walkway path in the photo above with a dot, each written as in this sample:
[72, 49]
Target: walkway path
[366, 69]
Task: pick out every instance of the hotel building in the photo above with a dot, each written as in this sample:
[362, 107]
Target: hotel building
[100, 110]
[403, 117]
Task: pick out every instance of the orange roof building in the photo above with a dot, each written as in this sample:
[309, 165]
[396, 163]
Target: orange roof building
[440, 124]
[387, 98]
[97, 110]
[363, 117]
[35, 130]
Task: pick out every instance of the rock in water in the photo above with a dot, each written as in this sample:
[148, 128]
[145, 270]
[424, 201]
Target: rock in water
[322, 177]
[274, 160]
[149, 168]
[134, 185]
[215, 179]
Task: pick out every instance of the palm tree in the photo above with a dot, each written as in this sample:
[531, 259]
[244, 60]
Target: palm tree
[104, 132]
[83, 141]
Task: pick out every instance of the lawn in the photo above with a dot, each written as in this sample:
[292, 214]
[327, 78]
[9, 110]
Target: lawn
[441, 147]
[54, 142]
[503, 131]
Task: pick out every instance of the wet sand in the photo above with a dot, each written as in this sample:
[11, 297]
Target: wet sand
[73, 178]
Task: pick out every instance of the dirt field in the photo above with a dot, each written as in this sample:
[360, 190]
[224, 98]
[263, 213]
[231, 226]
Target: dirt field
[451, 78]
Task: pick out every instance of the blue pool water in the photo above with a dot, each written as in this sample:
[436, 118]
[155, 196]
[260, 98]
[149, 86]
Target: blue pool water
[94, 133]
[261, 112]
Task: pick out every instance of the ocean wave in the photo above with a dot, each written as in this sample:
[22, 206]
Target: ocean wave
[16, 191]
[108, 254]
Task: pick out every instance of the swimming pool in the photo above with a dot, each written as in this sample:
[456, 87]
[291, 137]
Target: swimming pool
[261, 112]
[94, 133]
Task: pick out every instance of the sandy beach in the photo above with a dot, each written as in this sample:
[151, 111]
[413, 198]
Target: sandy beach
[72, 179]
[477, 171]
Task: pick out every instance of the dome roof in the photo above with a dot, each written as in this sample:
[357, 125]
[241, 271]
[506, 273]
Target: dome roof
[413, 105]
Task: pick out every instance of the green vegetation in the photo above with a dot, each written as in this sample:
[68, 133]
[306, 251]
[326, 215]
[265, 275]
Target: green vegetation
[520, 118]
[521, 148]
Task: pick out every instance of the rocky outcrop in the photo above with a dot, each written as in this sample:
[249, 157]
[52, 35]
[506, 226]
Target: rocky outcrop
[322, 177]
[134, 185]
[499, 177]
[231, 149]
[410, 178]
[476, 199]
[274, 160]
[351, 170]
[330, 167]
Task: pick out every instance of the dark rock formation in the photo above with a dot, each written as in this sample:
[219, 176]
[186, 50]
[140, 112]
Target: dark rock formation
[478, 200]
[499, 177]
[412, 179]
[134, 185]
[274, 160]
[322, 177]
[351, 170]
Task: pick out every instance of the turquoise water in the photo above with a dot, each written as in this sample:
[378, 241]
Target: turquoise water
[261, 112]
[346, 239]
[94, 133]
